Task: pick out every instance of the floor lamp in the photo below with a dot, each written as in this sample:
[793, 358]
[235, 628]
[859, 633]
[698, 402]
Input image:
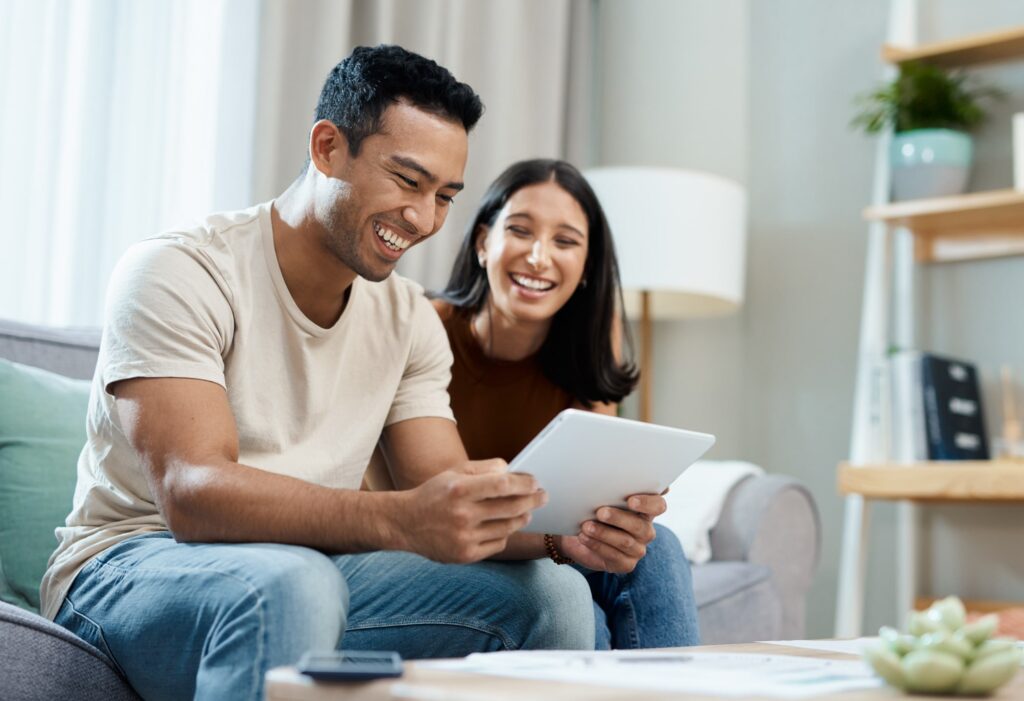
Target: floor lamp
[680, 236]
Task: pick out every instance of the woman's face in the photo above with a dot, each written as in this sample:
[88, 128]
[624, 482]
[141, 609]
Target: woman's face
[535, 252]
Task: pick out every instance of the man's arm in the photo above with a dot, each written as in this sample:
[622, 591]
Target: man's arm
[418, 448]
[186, 438]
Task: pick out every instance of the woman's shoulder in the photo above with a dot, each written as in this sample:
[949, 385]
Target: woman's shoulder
[449, 313]
[444, 309]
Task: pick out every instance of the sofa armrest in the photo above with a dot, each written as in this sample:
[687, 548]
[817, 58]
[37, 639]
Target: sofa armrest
[41, 660]
[773, 520]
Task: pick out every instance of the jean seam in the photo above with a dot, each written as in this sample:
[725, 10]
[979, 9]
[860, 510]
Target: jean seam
[261, 646]
[634, 628]
[506, 642]
[102, 638]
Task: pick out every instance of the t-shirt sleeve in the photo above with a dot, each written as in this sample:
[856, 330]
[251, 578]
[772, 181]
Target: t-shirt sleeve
[423, 390]
[167, 315]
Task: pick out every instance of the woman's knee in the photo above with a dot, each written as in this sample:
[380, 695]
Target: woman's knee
[665, 554]
[665, 541]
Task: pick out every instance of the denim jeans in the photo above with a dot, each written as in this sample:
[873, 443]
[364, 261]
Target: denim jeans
[652, 606]
[207, 621]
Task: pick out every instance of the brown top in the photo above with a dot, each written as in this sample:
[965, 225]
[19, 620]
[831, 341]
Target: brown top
[500, 405]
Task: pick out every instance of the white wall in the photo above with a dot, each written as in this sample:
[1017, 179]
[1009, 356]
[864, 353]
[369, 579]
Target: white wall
[672, 91]
[761, 91]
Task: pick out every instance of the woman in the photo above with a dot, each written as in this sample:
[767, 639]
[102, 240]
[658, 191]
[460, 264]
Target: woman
[531, 314]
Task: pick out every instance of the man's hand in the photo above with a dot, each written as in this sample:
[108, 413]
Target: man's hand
[468, 514]
[617, 539]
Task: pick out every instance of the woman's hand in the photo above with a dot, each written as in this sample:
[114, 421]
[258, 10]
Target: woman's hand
[617, 539]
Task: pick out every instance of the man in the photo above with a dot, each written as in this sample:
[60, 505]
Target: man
[247, 371]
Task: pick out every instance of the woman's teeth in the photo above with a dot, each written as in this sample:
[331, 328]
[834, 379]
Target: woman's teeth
[530, 283]
[390, 238]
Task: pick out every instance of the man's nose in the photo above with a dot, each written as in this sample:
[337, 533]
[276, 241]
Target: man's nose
[421, 215]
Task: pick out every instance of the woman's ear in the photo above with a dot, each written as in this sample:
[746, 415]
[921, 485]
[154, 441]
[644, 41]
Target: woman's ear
[480, 245]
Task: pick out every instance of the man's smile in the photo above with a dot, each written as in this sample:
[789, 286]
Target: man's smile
[390, 239]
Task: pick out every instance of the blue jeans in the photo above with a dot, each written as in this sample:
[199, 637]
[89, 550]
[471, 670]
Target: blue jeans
[207, 621]
[652, 606]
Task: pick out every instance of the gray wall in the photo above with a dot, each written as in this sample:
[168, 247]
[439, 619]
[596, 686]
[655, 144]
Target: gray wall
[761, 92]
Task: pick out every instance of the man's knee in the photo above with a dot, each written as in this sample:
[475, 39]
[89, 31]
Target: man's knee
[562, 608]
[301, 596]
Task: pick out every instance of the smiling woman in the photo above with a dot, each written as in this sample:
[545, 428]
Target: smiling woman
[533, 315]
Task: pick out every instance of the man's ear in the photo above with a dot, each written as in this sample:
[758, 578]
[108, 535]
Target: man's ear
[327, 144]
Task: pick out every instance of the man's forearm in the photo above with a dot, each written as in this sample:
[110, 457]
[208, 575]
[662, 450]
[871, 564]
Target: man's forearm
[231, 502]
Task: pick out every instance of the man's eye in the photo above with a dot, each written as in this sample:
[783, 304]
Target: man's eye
[408, 181]
[447, 199]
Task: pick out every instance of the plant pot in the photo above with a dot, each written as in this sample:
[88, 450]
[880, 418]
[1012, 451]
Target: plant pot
[930, 163]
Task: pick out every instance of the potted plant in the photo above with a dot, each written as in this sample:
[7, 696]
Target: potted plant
[930, 112]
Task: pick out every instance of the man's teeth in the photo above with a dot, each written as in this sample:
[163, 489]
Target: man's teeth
[390, 238]
[529, 282]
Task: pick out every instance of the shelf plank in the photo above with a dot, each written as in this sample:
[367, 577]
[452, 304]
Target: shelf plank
[972, 605]
[960, 227]
[991, 47]
[992, 480]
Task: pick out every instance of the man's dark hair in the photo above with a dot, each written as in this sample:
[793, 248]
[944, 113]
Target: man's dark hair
[361, 87]
[577, 354]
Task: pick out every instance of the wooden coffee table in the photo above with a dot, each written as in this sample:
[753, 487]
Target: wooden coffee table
[285, 684]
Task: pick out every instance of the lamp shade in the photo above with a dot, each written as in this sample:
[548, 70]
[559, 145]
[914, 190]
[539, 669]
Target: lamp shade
[679, 234]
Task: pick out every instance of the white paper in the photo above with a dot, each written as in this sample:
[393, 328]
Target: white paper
[722, 674]
[850, 647]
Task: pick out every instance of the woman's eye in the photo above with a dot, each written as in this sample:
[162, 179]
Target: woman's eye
[567, 242]
[519, 231]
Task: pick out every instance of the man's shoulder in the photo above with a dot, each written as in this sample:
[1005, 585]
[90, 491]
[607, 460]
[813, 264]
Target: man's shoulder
[219, 228]
[209, 243]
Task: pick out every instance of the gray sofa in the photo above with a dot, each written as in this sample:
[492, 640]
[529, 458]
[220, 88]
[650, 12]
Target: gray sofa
[765, 550]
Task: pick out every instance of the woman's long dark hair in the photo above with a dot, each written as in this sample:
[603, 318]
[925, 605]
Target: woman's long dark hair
[577, 354]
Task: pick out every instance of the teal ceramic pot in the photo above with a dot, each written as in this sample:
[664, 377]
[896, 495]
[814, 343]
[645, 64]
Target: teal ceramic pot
[930, 163]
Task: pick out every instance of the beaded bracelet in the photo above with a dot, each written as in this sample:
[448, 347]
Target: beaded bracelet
[549, 545]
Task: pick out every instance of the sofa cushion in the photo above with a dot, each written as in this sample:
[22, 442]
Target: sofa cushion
[42, 431]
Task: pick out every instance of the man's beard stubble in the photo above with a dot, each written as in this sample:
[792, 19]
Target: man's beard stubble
[342, 238]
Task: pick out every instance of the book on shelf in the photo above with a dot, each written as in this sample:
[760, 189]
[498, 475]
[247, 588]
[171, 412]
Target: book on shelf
[937, 411]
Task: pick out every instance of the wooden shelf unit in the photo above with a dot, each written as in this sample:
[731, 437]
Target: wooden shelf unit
[991, 47]
[965, 227]
[960, 481]
[960, 227]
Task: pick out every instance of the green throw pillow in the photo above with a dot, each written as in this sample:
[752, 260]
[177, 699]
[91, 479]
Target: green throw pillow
[42, 431]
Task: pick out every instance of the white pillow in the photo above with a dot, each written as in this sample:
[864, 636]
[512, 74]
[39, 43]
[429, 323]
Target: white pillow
[695, 502]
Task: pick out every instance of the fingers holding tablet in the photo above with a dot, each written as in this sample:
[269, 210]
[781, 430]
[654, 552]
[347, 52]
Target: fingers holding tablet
[650, 505]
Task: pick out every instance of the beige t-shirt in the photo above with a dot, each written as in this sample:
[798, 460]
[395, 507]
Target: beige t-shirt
[210, 303]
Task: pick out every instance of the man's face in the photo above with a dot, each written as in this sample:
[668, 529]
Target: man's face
[395, 193]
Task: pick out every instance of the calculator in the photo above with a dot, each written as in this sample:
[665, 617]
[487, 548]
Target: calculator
[350, 665]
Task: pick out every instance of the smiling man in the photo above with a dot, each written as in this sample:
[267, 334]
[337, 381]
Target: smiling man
[248, 369]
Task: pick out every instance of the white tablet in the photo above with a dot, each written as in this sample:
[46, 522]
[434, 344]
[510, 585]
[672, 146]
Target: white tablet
[585, 461]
